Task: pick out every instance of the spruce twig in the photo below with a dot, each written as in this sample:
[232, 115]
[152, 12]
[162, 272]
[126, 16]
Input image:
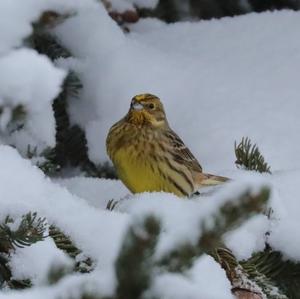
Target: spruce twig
[48, 165]
[14, 117]
[269, 269]
[30, 230]
[245, 279]
[249, 157]
[112, 204]
[42, 38]
[134, 264]
[63, 242]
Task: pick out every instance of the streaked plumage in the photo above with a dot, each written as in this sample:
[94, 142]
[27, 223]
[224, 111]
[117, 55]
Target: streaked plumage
[149, 156]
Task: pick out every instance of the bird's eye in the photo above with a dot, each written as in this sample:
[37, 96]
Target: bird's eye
[151, 106]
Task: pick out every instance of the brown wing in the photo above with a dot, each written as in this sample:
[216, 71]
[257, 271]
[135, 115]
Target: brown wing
[181, 153]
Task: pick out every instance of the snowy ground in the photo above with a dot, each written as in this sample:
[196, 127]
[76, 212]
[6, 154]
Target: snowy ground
[219, 81]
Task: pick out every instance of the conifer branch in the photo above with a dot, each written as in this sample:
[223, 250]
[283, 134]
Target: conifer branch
[249, 157]
[268, 268]
[42, 38]
[134, 264]
[30, 230]
[63, 242]
[14, 117]
[245, 279]
[48, 164]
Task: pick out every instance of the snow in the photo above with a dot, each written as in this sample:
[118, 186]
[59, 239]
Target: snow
[249, 238]
[285, 231]
[24, 265]
[12, 32]
[207, 265]
[145, 3]
[218, 80]
[38, 193]
[72, 285]
[123, 5]
[96, 192]
[194, 284]
[33, 87]
[16, 19]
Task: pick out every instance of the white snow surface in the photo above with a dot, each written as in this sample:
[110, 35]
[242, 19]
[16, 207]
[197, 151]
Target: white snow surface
[219, 80]
[194, 285]
[24, 262]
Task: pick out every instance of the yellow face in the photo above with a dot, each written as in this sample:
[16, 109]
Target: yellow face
[147, 109]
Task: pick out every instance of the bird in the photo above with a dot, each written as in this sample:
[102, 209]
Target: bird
[150, 157]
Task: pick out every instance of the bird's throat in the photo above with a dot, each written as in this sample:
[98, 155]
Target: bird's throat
[138, 118]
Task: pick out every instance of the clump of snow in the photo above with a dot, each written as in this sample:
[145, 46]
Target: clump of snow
[221, 285]
[146, 25]
[24, 263]
[195, 284]
[249, 238]
[16, 18]
[33, 87]
[285, 238]
[13, 32]
[96, 192]
[284, 229]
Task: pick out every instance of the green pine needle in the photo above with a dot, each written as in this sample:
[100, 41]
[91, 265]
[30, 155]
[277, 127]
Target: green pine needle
[30, 230]
[270, 266]
[249, 157]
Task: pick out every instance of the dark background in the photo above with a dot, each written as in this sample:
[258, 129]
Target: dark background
[176, 10]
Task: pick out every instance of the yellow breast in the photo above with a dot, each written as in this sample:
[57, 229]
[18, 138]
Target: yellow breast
[137, 171]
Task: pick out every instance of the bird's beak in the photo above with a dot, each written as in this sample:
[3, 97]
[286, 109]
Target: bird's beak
[137, 106]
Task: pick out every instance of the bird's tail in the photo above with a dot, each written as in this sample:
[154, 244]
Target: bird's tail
[206, 180]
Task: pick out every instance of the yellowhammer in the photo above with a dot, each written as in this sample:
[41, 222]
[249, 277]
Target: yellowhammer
[149, 156]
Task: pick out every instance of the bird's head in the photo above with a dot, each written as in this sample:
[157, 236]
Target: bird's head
[147, 109]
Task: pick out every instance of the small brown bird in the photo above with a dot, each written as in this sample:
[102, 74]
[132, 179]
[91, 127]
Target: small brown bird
[149, 156]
